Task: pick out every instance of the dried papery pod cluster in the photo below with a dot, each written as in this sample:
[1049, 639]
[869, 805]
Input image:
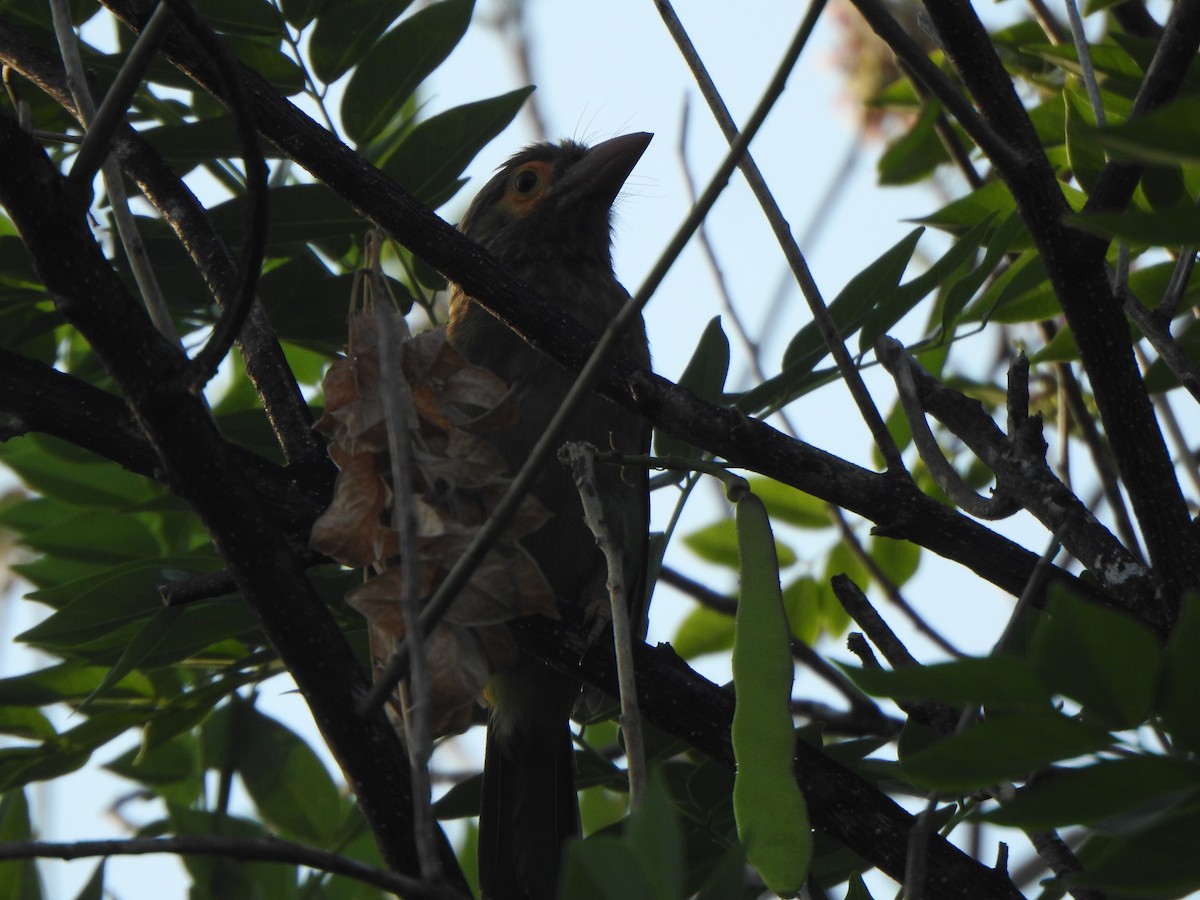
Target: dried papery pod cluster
[457, 478]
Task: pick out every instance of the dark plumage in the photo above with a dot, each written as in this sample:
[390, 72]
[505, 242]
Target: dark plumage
[546, 216]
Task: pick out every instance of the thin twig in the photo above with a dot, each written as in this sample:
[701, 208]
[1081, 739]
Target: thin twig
[1186, 458]
[581, 459]
[998, 506]
[1097, 448]
[242, 849]
[1084, 53]
[233, 315]
[889, 588]
[1164, 344]
[131, 240]
[914, 57]
[398, 413]
[97, 141]
[859, 608]
[791, 250]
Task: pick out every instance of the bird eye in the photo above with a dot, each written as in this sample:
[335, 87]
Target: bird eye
[526, 181]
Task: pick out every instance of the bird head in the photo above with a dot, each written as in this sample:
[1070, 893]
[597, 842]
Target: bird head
[554, 200]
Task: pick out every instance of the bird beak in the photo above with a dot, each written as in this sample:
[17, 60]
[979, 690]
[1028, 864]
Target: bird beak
[601, 174]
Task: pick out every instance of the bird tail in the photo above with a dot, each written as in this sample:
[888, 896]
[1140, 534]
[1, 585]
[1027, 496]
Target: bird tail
[529, 809]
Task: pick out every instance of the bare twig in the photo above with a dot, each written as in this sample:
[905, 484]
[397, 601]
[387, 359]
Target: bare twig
[1164, 344]
[398, 413]
[1000, 505]
[889, 588]
[1097, 448]
[233, 314]
[96, 142]
[859, 608]
[242, 849]
[131, 239]
[791, 250]
[581, 459]
[1019, 463]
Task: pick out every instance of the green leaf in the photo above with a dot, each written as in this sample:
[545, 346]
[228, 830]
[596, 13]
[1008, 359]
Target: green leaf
[1006, 748]
[897, 560]
[76, 477]
[266, 58]
[702, 631]
[805, 613]
[788, 504]
[889, 311]
[962, 290]
[397, 63]
[771, 814]
[866, 290]
[655, 835]
[19, 879]
[915, 154]
[606, 868]
[728, 878]
[23, 722]
[1001, 301]
[105, 601]
[433, 155]
[992, 681]
[1181, 673]
[189, 144]
[1169, 134]
[1159, 860]
[94, 889]
[856, 889]
[242, 17]
[218, 877]
[705, 377]
[343, 35]
[718, 543]
[1089, 795]
[1160, 228]
[68, 751]
[138, 649]
[171, 769]
[288, 783]
[992, 201]
[301, 214]
[1086, 158]
[68, 682]
[1101, 658]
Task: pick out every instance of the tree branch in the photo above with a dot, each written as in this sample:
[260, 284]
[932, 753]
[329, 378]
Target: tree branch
[265, 363]
[241, 849]
[1075, 264]
[677, 699]
[899, 508]
[156, 380]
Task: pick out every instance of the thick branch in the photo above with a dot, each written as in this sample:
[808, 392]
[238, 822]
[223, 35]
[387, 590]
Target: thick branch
[1019, 462]
[1075, 264]
[677, 699]
[38, 398]
[265, 363]
[202, 469]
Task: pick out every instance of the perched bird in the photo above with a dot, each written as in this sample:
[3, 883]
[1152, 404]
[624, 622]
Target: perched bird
[546, 215]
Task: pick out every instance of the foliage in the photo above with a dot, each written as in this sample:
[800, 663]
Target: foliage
[1073, 234]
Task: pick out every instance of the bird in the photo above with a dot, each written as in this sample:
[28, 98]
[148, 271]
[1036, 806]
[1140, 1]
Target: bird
[546, 215]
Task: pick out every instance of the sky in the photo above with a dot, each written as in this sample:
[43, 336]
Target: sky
[608, 68]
